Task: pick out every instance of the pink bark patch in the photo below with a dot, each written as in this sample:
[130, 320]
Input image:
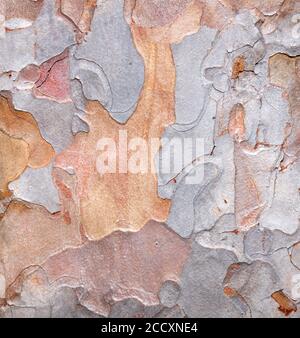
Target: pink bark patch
[53, 82]
[30, 73]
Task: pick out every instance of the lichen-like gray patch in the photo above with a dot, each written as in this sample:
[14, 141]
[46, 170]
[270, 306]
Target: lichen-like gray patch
[295, 256]
[133, 308]
[259, 241]
[117, 77]
[53, 34]
[182, 214]
[201, 281]
[36, 186]
[169, 293]
[191, 91]
[284, 211]
[54, 119]
[17, 50]
[254, 284]
[47, 37]
[223, 235]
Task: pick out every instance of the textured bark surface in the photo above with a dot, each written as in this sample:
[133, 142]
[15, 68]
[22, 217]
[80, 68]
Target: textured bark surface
[76, 241]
